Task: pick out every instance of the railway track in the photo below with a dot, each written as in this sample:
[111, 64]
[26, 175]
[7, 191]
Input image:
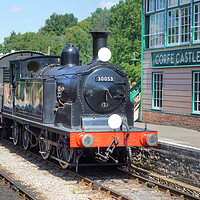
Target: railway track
[15, 187]
[139, 175]
[100, 190]
[170, 186]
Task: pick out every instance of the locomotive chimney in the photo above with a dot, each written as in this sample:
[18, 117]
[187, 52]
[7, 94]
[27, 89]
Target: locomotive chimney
[99, 41]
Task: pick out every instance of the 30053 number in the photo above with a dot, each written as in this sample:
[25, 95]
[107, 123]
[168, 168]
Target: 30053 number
[104, 78]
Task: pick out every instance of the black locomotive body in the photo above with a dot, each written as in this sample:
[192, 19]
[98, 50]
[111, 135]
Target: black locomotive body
[67, 109]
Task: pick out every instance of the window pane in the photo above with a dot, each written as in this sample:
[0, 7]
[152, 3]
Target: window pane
[157, 28]
[185, 1]
[195, 106]
[150, 5]
[173, 26]
[196, 92]
[154, 102]
[160, 4]
[172, 3]
[157, 90]
[185, 25]
[195, 77]
[196, 22]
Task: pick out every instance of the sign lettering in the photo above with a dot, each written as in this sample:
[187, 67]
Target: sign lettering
[176, 58]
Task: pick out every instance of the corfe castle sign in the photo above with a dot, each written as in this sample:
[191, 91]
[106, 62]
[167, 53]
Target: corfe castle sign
[176, 58]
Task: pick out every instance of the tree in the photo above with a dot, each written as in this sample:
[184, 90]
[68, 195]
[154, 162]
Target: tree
[125, 26]
[85, 25]
[100, 19]
[82, 40]
[1, 48]
[56, 24]
[57, 44]
[31, 41]
[122, 20]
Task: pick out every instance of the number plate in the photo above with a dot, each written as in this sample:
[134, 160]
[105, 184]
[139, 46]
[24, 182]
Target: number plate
[104, 78]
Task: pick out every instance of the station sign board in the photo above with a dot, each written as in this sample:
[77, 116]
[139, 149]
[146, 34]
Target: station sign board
[176, 58]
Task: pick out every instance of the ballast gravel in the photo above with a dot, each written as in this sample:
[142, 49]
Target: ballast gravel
[47, 183]
[41, 181]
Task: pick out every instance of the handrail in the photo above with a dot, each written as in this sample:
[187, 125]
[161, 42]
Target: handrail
[137, 88]
[136, 93]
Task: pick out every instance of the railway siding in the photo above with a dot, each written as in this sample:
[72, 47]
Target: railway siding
[173, 161]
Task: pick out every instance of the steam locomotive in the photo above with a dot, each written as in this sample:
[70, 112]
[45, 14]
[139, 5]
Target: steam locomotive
[77, 115]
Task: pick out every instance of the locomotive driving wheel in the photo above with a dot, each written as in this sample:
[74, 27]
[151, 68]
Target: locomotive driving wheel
[25, 139]
[16, 133]
[43, 146]
[63, 152]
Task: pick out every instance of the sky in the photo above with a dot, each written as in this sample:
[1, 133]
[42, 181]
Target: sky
[24, 16]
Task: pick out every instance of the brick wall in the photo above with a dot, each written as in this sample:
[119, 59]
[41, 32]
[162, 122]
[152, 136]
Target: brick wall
[184, 121]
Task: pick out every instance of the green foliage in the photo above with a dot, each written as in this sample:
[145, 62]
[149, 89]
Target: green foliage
[85, 25]
[56, 24]
[100, 19]
[28, 41]
[82, 40]
[73, 191]
[125, 26]
[122, 20]
[1, 48]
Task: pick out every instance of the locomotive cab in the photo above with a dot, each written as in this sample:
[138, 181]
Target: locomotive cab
[26, 92]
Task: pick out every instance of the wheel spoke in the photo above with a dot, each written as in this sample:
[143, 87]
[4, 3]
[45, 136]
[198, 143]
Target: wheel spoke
[15, 133]
[63, 154]
[26, 140]
[44, 151]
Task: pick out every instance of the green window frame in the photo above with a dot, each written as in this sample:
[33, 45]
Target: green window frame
[177, 23]
[157, 28]
[173, 27]
[196, 23]
[178, 30]
[150, 6]
[196, 93]
[157, 90]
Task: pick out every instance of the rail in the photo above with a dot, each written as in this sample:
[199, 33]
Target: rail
[170, 186]
[20, 191]
[80, 179]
